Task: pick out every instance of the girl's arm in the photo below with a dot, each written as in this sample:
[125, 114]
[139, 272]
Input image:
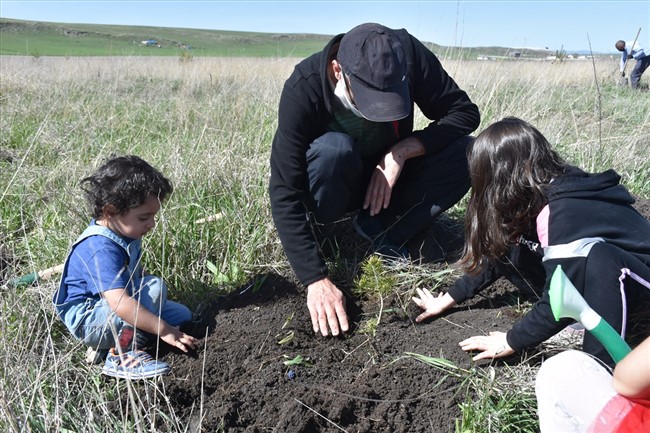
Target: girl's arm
[632, 373]
[130, 310]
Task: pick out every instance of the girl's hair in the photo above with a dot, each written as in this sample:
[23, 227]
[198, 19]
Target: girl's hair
[511, 165]
[123, 182]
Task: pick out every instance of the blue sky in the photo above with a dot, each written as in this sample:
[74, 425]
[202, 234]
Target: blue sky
[572, 25]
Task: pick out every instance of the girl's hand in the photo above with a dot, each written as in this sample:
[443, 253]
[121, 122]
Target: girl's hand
[494, 345]
[433, 305]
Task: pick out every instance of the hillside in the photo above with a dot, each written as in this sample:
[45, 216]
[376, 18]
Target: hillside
[55, 39]
[18, 37]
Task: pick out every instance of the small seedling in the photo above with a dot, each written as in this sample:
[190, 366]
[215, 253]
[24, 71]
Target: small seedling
[258, 283]
[369, 326]
[290, 334]
[287, 338]
[297, 360]
[374, 279]
[288, 321]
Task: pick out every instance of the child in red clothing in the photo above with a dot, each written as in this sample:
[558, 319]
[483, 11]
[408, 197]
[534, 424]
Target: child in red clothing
[575, 393]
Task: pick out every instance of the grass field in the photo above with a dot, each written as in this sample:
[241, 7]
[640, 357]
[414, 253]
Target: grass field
[56, 39]
[19, 37]
[207, 123]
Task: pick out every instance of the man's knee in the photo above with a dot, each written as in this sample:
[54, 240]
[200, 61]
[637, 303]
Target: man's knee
[449, 162]
[334, 170]
[334, 150]
[465, 141]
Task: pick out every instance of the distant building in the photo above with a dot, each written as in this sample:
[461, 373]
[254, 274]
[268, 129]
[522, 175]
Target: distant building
[150, 42]
[515, 54]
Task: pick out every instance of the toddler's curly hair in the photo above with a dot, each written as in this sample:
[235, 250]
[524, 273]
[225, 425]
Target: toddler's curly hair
[122, 183]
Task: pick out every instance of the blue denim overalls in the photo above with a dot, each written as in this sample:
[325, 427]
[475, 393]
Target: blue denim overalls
[92, 321]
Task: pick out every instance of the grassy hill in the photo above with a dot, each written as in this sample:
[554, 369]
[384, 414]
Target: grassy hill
[55, 39]
[32, 38]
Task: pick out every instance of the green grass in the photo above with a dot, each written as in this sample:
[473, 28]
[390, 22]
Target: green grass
[495, 401]
[207, 123]
[19, 37]
[37, 39]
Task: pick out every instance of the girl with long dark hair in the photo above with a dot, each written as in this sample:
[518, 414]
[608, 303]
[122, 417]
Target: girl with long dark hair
[524, 193]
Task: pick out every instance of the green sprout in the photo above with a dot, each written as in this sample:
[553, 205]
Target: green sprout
[288, 321]
[287, 338]
[297, 360]
[232, 274]
[369, 326]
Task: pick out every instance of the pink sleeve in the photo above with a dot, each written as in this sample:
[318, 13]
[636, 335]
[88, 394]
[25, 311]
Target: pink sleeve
[542, 226]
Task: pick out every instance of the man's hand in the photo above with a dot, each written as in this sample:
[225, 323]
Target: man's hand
[387, 172]
[326, 305]
[494, 345]
[433, 305]
[381, 184]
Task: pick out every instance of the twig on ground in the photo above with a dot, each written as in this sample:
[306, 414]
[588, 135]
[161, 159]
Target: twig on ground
[325, 418]
[205, 350]
[209, 219]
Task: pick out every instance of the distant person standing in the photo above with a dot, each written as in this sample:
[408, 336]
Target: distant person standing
[632, 50]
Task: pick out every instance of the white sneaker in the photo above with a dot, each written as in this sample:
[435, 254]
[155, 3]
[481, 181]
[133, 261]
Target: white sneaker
[95, 356]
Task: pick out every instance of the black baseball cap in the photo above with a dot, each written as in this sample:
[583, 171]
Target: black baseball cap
[373, 58]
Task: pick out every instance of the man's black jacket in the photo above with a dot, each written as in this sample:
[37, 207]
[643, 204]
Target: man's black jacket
[306, 110]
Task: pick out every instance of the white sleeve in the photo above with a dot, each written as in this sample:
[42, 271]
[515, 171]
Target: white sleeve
[638, 52]
[571, 389]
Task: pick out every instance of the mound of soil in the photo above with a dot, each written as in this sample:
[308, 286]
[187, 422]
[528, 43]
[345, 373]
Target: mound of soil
[239, 381]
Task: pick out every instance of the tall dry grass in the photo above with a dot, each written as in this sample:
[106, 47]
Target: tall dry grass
[207, 124]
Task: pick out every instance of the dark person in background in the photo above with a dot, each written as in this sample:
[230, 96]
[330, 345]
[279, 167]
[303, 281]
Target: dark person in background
[632, 50]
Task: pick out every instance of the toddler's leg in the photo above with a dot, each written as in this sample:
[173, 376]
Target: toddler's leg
[176, 314]
[100, 326]
[153, 296]
[152, 293]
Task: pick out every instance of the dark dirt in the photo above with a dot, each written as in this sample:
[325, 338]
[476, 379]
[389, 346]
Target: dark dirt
[238, 381]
